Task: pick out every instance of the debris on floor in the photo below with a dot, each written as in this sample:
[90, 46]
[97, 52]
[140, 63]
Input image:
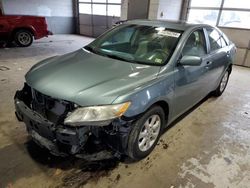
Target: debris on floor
[88, 171]
[4, 68]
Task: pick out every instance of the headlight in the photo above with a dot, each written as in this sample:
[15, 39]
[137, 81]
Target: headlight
[96, 115]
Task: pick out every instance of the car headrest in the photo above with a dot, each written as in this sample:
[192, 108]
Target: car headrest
[153, 46]
[191, 40]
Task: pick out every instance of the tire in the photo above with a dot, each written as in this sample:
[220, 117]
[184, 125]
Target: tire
[23, 38]
[136, 149]
[223, 84]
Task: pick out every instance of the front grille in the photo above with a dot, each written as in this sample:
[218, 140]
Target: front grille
[52, 109]
[38, 96]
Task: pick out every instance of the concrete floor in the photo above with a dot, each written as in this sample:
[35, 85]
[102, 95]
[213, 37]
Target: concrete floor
[209, 147]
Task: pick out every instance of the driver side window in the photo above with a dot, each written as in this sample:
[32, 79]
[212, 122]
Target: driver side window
[195, 45]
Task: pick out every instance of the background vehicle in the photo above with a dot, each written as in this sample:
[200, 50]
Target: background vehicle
[125, 87]
[22, 29]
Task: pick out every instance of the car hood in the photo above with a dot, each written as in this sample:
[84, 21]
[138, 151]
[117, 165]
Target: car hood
[88, 79]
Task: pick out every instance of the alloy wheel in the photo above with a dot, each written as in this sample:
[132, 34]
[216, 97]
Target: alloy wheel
[149, 132]
[224, 82]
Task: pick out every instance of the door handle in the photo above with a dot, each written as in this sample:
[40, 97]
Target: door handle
[208, 64]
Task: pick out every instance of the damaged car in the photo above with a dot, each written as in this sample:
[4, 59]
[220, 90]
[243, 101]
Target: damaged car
[124, 88]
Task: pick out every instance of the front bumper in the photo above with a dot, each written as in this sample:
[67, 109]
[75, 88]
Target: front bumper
[59, 140]
[62, 140]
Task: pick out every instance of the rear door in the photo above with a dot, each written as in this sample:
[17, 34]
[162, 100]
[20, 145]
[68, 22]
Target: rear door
[219, 54]
[192, 82]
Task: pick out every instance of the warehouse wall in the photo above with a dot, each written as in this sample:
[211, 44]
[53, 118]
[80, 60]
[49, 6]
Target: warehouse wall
[124, 10]
[169, 9]
[165, 9]
[158, 9]
[241, 37]
[129, 9]
[59, 13]
[153, 9]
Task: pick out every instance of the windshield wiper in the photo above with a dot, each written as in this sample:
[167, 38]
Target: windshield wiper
[91, 49]
[118, 57]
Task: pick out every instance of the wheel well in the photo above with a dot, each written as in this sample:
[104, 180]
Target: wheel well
[164, 106]
[22, 28]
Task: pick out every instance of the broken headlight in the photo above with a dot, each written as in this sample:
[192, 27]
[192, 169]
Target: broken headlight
[96, 115]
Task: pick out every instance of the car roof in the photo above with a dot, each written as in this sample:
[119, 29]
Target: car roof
[178, 25]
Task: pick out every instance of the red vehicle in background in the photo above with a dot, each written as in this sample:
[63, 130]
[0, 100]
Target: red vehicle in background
[22, 29]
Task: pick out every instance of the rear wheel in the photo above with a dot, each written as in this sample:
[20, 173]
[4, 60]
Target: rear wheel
[223, 84]
[23, 38]
[145, 133]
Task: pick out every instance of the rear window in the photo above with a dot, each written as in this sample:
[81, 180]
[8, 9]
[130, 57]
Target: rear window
[216, 40]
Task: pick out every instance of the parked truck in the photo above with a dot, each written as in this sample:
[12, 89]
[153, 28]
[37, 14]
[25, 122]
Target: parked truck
[22, 29]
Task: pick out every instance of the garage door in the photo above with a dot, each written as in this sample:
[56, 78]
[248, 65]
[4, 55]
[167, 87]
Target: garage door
[97, 16]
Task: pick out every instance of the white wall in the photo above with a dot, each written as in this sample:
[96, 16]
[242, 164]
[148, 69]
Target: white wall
[165, 9]
[39, 7]
[158, 9]
[124, 10]
[241, 38]
[169, 9]
[153, 9]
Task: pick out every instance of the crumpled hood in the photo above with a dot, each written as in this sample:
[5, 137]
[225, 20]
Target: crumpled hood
[88, 79]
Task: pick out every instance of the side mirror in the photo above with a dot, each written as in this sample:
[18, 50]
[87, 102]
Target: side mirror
[190, 60]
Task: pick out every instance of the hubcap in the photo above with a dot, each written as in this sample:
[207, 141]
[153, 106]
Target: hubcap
[24, 38]
[149, 132]
[224, 82]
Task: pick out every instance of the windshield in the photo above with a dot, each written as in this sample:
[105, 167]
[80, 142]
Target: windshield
[137, 43]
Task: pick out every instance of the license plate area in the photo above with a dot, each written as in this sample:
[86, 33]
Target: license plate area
[35, 121]
[45, 130]
[43, 142]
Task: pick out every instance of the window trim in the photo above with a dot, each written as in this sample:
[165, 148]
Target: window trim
[205, 37]
[208, 41]
[220, 9]
[171, 55]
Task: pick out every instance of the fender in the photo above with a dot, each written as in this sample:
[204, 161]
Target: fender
[160, 90]
[28, 27]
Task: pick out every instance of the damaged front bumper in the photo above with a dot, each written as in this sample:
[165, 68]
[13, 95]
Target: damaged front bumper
[58, 140]
[63, 140]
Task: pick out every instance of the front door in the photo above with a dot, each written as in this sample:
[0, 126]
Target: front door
[191, 82]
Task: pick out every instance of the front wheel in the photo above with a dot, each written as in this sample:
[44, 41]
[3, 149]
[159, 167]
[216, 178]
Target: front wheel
[223, 84]
[145, 133]
[23, 38]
